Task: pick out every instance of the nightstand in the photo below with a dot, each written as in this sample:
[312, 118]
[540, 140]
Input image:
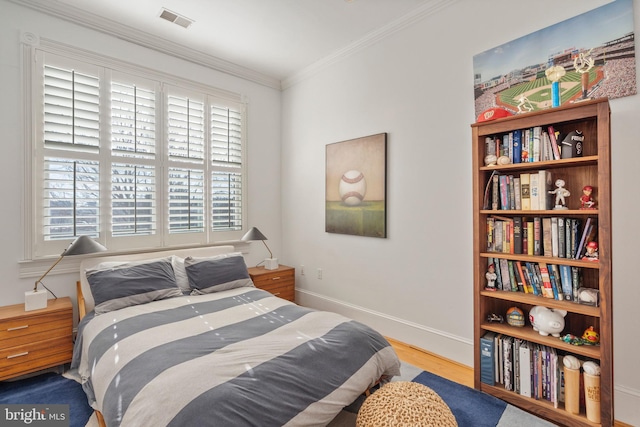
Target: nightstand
[281, 282]
[31, 341]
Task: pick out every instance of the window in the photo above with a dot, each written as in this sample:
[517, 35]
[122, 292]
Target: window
[132, 158]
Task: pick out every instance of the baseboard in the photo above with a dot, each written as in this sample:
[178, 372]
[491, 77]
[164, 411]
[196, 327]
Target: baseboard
[455, 348]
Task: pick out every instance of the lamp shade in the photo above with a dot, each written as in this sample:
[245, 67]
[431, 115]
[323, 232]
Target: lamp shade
[84, 245]
[254, 234]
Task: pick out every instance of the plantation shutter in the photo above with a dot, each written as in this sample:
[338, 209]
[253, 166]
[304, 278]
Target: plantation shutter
[70, 166]
[133, 138]
[226, 164]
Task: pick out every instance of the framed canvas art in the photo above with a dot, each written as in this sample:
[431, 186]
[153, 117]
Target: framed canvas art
[355, 192]
[589, 56]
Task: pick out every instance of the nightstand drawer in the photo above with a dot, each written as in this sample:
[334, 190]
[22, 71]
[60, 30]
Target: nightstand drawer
[24, 327]
[34, 356]
[280, 282]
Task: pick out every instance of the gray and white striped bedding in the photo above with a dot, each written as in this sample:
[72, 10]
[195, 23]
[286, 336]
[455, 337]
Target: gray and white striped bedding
[240, 357]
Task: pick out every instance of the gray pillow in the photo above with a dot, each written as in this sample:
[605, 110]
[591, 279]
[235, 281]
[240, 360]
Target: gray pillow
[131, 284]
[219, 273]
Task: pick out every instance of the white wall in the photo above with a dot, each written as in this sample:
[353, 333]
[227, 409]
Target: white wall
[263, 131]
[417, 85]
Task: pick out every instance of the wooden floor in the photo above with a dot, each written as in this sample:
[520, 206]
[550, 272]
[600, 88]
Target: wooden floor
[441, 366]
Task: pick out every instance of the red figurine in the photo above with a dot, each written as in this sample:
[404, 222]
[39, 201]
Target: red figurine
[592, 252]
[586, 200]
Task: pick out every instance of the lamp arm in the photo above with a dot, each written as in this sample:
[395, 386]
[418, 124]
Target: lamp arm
[270, 254]
[35, 287]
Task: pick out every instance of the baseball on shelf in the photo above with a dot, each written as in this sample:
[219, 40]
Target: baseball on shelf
[353, 187]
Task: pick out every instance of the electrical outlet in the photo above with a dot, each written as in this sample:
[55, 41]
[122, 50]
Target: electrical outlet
[320, 273]
[302, 270]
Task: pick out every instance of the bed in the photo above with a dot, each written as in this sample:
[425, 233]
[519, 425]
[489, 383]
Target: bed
[183, 338]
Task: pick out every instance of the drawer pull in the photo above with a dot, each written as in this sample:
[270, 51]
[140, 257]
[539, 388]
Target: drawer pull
[275, 278]
[18, 327]
[17, 355]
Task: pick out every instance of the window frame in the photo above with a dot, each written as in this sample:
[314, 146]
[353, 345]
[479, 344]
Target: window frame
[36, 247]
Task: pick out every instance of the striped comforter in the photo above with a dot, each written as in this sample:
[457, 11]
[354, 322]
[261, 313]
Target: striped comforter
[235, 358]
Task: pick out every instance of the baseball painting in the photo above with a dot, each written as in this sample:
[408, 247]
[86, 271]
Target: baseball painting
[589, 56]
[356, 186]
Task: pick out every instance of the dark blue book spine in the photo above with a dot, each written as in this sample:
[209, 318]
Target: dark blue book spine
[487, 361]
[517, 146]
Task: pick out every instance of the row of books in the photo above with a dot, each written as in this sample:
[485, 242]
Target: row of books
[560, 282]
[529, 369]
[527, 191]
[541, 236]
[526, 145]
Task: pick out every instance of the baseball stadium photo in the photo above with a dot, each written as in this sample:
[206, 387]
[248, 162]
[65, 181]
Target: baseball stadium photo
[589, 56]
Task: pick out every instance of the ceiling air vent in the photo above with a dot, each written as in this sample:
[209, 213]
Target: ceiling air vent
[170, 16]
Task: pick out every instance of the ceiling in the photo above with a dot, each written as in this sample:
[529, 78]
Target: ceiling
[273, 40]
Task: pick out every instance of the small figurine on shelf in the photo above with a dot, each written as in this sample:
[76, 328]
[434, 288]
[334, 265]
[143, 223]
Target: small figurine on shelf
[495, 318]
[592, 252]
[586, 200]
[491, 278]
[560, 193]
[515, 317]
[591, 336]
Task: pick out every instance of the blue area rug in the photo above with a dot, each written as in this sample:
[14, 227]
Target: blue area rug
[472, 408]
[49, 389]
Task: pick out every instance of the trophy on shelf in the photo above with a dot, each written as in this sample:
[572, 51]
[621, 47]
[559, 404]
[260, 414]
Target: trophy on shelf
[554, 74]
[582, 64]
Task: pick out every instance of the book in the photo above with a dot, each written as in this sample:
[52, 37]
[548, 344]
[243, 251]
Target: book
[530, 238]
[495, 192]
[546, 237]
[491, 243]
[547, 152]
[537, 133]
[537, 236]
[512, 192]
[525, 369]
[547, 290]
[487, 358]
[507, 347]
[576, 282]
[562, 237]
[504, 192]
[555, 237]
[512, 276]
[545, 199]
[517, 235]
[504, 274]
[567, 283]
[533, 278]
[555, 285]
[517, 146]
[558, 282]
[554, 143]
[516, 190]
[517, 274]
[534, 191]
[488, 196]
[525, 200]
[526, 286]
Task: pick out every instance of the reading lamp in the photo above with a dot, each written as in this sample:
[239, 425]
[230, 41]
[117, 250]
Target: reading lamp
[270, 263]
[37, 299]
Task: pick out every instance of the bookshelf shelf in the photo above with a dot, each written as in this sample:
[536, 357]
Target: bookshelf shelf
[593, 168]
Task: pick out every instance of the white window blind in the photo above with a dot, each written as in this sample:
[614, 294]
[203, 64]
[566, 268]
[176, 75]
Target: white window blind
[132, 160]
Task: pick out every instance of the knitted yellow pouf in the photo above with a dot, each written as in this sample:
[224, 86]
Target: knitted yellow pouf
[405, 404]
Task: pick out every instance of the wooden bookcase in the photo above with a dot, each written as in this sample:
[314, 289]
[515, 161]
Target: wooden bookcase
[593, 168]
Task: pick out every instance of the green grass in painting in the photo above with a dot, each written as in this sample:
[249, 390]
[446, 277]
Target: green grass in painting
[366, 219]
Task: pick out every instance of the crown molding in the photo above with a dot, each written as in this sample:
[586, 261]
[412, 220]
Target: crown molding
[123, 32]
[373, 37]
